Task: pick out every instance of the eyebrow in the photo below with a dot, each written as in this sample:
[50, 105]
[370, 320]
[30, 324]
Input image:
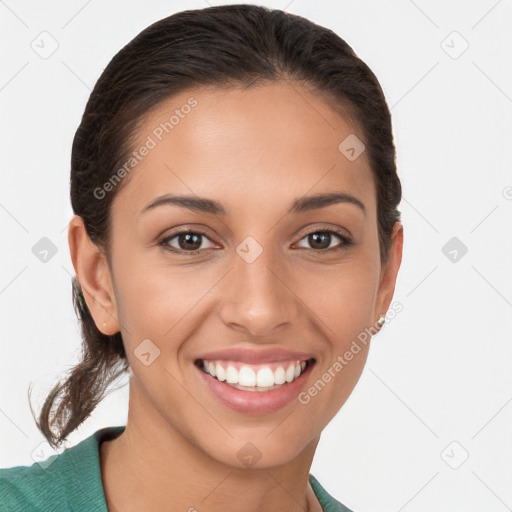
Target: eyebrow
[299, 205]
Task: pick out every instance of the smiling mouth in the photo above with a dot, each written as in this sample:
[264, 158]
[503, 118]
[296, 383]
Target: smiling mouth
[252, 377]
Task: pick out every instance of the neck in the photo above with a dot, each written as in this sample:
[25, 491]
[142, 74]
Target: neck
[152, 467]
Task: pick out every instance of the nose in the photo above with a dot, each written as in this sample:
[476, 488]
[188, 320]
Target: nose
[258, 297]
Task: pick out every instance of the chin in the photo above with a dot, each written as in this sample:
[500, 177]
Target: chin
[262, 451]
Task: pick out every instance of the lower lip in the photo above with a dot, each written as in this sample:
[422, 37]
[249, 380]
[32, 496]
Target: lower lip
[255, 402]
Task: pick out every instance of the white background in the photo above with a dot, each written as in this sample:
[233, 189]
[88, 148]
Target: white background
[438, 373]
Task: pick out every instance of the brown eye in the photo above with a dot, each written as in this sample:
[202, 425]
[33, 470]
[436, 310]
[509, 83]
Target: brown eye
[187, 241]
[321, 240]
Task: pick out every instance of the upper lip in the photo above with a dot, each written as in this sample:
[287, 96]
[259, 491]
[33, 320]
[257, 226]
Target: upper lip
[264, 355]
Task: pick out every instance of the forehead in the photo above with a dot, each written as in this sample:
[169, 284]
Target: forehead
[252, 148]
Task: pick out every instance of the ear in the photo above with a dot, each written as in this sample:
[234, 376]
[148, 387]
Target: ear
[390, 271]
[93, 274]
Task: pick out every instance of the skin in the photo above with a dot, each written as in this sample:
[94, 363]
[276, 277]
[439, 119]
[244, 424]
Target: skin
[255, 151]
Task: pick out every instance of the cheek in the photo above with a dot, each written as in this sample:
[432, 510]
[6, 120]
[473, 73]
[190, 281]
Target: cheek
[341, 298]
[161, 302]
[341, 303]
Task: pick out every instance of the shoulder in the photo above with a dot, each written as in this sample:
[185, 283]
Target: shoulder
[32, 487]
[66, 481]
[329, 504]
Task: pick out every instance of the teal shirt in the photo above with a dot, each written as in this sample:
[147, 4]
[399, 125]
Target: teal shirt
[71, 481]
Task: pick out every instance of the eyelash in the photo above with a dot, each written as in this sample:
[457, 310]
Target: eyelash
[346, 242]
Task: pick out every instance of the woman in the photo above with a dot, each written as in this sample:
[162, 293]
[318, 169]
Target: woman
[235, 235]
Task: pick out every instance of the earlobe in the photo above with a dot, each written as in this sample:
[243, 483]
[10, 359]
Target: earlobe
[390, 272]
[93, 274]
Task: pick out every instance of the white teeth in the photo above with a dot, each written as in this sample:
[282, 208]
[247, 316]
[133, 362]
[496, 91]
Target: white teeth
[257, 389]
[220, 373]
[265, 378]
[231, 375]
[279, 376]
[247, 377]
[290, 373]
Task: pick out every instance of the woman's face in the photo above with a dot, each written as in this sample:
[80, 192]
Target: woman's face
[257, 271]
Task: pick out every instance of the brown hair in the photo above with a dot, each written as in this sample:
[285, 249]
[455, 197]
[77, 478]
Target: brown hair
[221, 46]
